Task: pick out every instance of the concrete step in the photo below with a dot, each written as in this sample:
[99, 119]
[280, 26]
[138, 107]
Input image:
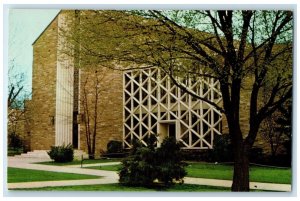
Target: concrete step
[78, 154]
[36, 154]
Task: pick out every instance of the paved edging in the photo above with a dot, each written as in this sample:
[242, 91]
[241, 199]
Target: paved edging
[109, 177]
[41, 184]
[228, 183]
[93, 164]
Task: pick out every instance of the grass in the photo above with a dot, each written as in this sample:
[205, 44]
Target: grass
[257, 173]
[210, 171]
[118, 187]
[76, 162]
[272, 175]
[106, 167]
[220, 171]
[15, 175]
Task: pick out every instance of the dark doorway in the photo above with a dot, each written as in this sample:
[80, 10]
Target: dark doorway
[172, 130]
[75, 130]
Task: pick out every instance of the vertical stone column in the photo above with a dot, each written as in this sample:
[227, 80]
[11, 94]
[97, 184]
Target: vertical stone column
[64, 85]
[75, 129]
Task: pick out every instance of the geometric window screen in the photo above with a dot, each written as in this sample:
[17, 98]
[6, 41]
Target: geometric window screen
[153, 105]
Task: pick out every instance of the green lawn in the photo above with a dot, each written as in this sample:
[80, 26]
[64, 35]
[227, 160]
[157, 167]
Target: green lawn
[257, 173]
[106, 167]
[15, 175]
[210, 171]
[118, 187]
[76, 162]
[220, 171]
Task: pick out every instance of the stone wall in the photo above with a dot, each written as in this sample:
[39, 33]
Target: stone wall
[42, 106]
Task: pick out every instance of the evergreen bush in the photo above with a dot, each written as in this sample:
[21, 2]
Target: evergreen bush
[114, 146]
[146, 165]
[169, 162]
[62, 154]
[222, 150]
[15, 141]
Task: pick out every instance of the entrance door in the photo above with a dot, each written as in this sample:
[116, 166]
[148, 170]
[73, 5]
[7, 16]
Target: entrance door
[172, 130]
[166, 129]
[75, 130]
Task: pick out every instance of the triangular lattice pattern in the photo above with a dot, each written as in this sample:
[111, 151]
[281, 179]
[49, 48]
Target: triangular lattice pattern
[150, 98]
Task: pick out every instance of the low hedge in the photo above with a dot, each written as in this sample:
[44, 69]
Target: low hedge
[62, 154]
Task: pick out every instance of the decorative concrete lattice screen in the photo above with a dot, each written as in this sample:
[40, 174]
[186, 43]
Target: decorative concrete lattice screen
[154, 105]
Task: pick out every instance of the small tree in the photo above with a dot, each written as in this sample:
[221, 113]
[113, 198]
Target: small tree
[276, 129]
[271, 135]
[16, 109]
[284, 125]
[92, 109]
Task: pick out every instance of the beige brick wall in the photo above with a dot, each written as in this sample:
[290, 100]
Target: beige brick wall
[42, 105]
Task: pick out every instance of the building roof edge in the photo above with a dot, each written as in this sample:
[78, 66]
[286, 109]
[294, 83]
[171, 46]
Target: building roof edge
[46, 27]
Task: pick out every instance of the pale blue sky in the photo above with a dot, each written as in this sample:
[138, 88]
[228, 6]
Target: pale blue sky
[25, 25]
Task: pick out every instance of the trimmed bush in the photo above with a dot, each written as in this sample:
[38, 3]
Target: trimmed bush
[222, 150]
[256, 155]
[15, 141]
[146, 165]
[137, 169]
[169, 162]
[114, 146]
[62, 154]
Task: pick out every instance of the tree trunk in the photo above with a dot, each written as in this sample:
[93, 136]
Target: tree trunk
[240, 181]
[93, 146]
[91, 156]
[91, 153]
[241, 168]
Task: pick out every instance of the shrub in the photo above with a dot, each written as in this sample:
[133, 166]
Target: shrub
[256, 155]
[145, 165]
[222, 150]
[62, 153]
[14, 151]
[114, 146]
[169, 162]
[138, 169]
[196, 155]
[15, 141]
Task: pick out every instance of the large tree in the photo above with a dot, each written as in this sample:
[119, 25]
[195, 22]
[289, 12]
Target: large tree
[244, 50]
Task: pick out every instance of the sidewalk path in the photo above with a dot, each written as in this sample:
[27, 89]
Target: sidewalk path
[94, 164]
[108, 177]
[227, 183]
[40, 184]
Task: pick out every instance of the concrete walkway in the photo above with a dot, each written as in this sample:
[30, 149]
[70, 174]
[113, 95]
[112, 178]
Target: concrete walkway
[228, 183]
[94, 164]
[109, 177]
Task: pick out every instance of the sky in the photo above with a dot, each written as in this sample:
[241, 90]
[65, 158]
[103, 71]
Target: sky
[25, 25]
